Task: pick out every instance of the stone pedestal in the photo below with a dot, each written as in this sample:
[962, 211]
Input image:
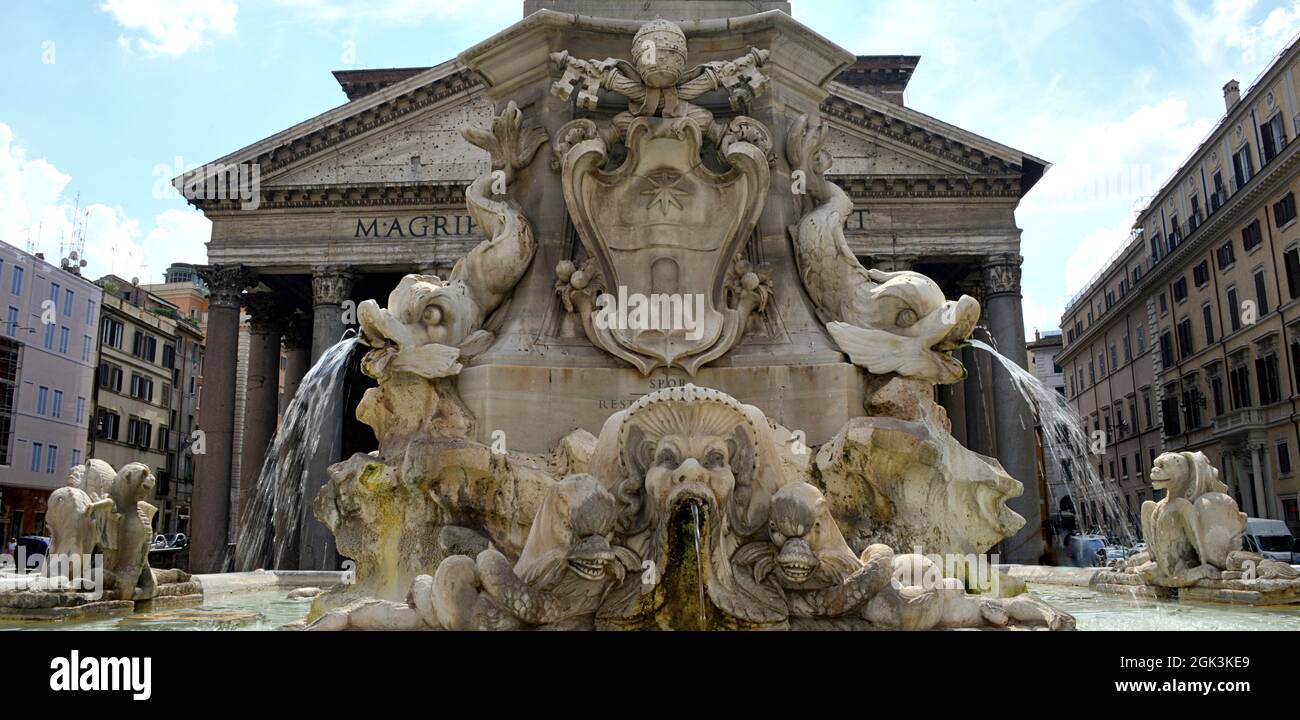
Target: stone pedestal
[1013, 422]
[211, 499]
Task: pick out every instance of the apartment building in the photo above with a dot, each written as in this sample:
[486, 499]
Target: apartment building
[147, 392]
[1189, 338]
[48, 346]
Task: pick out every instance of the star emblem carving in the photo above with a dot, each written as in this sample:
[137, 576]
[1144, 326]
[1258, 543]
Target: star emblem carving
[663, 193]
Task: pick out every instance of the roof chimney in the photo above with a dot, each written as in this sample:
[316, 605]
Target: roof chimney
[1231, 94]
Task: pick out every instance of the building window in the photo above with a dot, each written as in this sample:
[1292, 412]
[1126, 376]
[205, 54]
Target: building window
[81, 410]
[1142, 339]
[1243, 166]
[1225, 255]
[1220, 195]
[1234, 310]
[110, 377]
[107, 424]
[1239, 386]
[1216, 394]
[1164, 304]
[139, 433]
[1292, 262]
[1180, 289]
[1166, 349]
[48, 341]
[1201, 273]
[1273, 135]
[51, 459]
[90, 311]
[1128, 349]
[56, 409]
[141, 388]
[1185, 347]
[1169, 413]
[1155, 249]
[111, 332]
[11, 326]
[1092, 373]
[1261, 293]
[1251, 236]
[169, 356]
[38, 452]
[1283, 210]
[144, 346]
[1283, 458]
[1270, 388]
[67, 302]
[1114, 358]
[85, 348]
[42, 399]
[1207, 315]
[16, 284]
[63, 340]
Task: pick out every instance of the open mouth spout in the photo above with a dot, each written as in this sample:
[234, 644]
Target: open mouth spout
[591, 557]
[796, 560]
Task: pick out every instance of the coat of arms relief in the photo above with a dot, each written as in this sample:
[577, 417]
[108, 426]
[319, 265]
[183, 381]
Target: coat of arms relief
[663, 283]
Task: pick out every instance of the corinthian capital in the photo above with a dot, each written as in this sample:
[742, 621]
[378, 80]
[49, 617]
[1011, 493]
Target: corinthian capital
[1002, 274]
[331, 284]
[226, 283]
[266, 312]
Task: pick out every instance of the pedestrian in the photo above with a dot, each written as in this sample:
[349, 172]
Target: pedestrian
[13, 547]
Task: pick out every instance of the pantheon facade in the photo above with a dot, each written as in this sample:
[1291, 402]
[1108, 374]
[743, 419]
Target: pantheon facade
[354, 198]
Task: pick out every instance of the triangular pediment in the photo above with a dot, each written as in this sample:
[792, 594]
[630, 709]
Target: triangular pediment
[872, 136]
[426, 146]
[378, 131]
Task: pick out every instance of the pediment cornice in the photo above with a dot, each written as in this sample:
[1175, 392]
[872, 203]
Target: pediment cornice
[924, 134]
[330, 129]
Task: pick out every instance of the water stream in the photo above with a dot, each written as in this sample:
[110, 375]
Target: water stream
[699, 563]
[267, 532]
[1065, 438]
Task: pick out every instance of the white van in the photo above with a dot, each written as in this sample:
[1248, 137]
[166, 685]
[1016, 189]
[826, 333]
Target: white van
[1270, 538]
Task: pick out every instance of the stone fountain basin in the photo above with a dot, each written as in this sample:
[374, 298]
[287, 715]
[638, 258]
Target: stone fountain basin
[231, 601]
[256, 601]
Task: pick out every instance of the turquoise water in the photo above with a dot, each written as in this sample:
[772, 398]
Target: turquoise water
[270, 610]
[253, 610]
[1097, 611]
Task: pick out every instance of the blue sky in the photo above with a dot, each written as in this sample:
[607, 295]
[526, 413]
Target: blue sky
[107, 99]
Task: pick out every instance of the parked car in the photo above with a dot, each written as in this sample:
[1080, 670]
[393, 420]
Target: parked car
[1083, 548]
[1110, 553]
[159, 541]
[1270, 538]
[1138, 548]
[176, 540]
[33, 548]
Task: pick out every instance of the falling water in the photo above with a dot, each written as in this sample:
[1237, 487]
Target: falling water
[1064, 432]
[699, 563]
[267, 533]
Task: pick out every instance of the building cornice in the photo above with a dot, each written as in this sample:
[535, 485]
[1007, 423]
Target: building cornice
[871, 187]
[292, 197]
[1247, 199]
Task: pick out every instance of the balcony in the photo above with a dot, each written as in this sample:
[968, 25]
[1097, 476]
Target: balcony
[1239, 421]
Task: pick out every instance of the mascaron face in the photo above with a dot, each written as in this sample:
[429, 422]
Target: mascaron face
[684, 465]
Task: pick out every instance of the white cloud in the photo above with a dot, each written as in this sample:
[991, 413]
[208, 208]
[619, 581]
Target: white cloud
[1092, 253]
[34, 208]
[1226, 28]
[171, 27]
[400, 11]
[1120, 161]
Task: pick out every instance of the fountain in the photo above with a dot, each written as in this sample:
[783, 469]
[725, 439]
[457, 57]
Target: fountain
[689, 509]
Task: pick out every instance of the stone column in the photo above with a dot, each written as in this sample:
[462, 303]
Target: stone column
[210, 503]
[1013, 423]
[1261, 499]
[297, 354]
[331, 287]
[261, 390]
